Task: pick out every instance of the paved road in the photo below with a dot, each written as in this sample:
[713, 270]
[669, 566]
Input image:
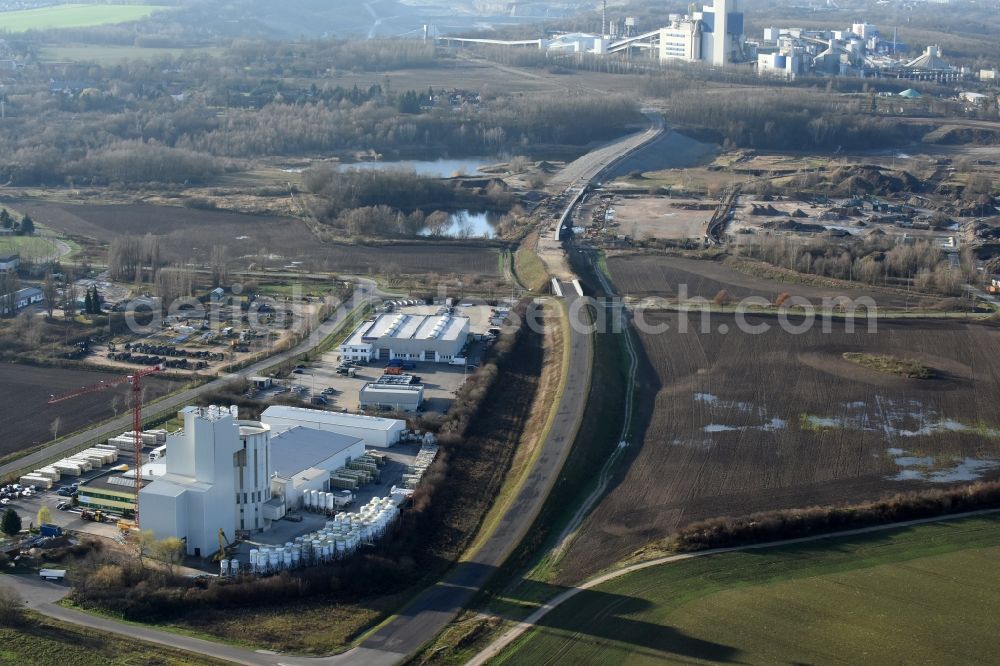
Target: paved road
[366, 290]
[497, 646]
[590, 166]
[432, 610]
[579, 174]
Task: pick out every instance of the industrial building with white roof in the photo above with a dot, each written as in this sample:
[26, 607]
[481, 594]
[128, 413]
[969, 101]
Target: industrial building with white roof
[438, 338]
[375, 431]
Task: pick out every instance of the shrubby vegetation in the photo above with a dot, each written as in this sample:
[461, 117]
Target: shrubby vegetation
[889, 364]
[394, 203]
[795, 523]
[137, 162]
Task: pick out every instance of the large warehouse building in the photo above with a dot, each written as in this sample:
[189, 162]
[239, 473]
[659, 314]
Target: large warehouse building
[217, 471]
[303, 459]
[374, 431]
[437, 338]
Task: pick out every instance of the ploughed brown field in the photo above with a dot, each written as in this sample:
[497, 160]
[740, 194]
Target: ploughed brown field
[27, 421]
[744, 423]
[258, 241]
[644, 276]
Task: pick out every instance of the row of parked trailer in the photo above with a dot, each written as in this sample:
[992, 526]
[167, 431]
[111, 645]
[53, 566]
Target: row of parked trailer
[75, 465]
[338, 539]
[126, 440]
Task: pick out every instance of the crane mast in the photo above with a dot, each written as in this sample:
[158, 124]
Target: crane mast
[135, 382]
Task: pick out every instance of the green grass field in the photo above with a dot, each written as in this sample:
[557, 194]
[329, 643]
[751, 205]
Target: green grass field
[112, 54]
[928, 594]
[29, 247]
[72, 16]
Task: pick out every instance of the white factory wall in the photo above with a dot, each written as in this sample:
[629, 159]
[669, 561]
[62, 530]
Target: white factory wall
[165, 514]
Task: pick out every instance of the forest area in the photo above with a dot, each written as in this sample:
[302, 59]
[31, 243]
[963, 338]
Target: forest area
[192, 118]
[775, 119]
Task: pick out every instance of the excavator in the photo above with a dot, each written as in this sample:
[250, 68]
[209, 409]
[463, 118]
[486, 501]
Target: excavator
[226, 547]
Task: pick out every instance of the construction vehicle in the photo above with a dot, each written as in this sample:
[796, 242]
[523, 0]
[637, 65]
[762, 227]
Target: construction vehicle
[125, 526]
[94, 516]
[226, 548]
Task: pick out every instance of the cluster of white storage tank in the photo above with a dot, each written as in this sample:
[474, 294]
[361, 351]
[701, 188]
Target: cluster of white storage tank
[339, 538]
[321, 502]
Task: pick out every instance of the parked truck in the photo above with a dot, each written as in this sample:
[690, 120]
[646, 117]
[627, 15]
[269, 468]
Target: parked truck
[50, 530]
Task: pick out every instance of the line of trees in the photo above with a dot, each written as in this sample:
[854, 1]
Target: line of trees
[131, 258]
[872, 261]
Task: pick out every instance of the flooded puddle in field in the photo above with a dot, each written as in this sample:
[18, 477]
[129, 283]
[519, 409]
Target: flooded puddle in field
[939, 470]
[770, 426]
[895, 419]
[715, 402]
[720, 406]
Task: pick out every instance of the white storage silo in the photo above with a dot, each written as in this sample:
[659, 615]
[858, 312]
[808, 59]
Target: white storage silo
[252, 480]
